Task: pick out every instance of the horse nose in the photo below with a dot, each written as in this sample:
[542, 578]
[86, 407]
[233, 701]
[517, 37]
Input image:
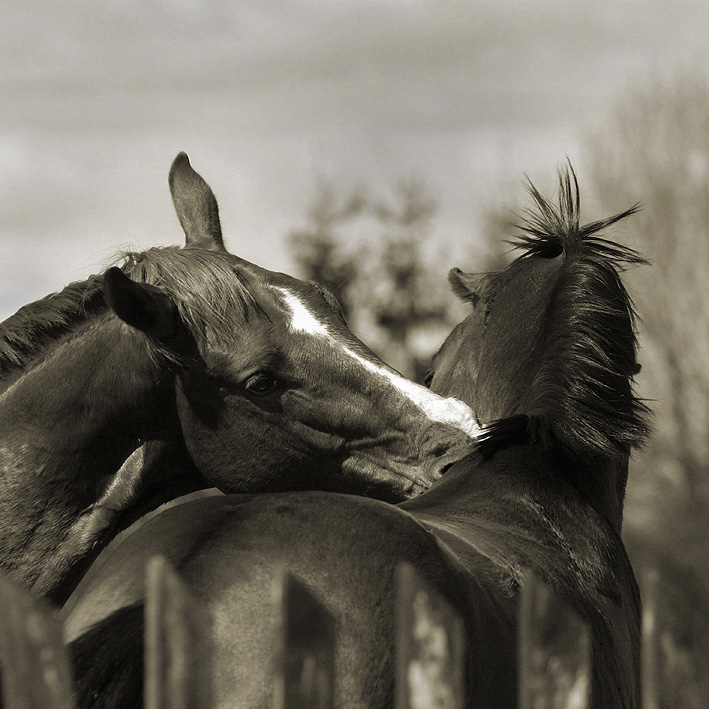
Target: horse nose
[439, 469]
[441, 466]
[444, 454]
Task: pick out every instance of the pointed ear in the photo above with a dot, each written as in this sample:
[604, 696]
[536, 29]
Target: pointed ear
[467, 286]
[196, 206]
[140, 305]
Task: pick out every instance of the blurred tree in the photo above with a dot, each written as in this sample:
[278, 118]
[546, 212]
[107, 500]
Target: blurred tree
[319, 249]
[656, 149]
[376, 255]
[408, 303]
[499, 225]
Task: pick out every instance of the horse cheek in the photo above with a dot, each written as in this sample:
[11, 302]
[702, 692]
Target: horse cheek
[234, 458]
[202, 422]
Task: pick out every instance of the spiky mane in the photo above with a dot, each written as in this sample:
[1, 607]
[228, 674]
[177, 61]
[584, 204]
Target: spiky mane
[547, 229]
[582, 395]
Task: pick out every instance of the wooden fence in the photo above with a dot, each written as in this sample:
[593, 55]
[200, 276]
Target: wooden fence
[554, 649]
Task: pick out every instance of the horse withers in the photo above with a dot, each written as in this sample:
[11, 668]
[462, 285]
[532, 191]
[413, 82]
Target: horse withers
[548, 354]
[185, 368]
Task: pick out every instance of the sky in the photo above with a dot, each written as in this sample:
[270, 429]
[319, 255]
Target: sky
[270, 96]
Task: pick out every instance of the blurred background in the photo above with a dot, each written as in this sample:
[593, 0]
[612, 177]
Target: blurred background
[373, 145]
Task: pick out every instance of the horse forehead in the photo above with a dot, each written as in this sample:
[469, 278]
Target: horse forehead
[301, 317]
[530, 276]
[436, 408]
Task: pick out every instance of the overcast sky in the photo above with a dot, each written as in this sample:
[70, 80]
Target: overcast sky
[98, 96]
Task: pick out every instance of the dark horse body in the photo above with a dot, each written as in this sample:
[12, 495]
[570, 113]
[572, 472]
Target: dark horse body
[187, 368]
[547, 356]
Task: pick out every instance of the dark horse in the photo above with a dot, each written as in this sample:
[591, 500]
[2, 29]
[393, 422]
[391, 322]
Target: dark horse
[186, 368]
[547, 355]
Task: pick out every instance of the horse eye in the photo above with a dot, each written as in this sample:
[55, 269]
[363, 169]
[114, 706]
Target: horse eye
[259, 384]
[428, 378]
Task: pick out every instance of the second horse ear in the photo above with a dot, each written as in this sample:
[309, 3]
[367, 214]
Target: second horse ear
[466, 286]
[140, 305]
[196, 206]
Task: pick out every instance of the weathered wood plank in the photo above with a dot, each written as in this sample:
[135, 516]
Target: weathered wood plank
[36, 672]
[675, 639]
[554, 651]
[430, 646]
[177, 642]
[651, 676]
[305, 648]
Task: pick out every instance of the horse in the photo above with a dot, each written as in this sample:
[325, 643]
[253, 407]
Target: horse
[546, 356]
[185, 368]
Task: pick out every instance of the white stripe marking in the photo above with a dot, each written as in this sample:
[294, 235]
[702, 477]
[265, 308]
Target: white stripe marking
[436, 408]
[302, 320]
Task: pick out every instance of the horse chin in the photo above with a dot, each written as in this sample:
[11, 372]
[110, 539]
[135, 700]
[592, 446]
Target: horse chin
[384, 479]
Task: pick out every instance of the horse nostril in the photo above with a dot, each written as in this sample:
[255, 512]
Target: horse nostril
[440, 470]
[446, 468]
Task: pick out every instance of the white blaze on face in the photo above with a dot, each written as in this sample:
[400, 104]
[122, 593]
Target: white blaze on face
[436, 408]
[302, 320]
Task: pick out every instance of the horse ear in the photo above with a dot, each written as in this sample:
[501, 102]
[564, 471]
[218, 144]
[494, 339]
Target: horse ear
[196, 206]
[467, 286]
[140, 305]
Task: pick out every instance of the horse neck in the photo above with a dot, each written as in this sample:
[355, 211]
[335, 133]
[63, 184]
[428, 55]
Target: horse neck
[601, 480]
[165, 472]
[484, 500]
[69, 424]
[525, 374]
[513, 345]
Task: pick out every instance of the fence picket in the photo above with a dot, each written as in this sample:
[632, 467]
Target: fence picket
[305, 652]
[675, 640]
[554, 651]
[36, 673]
[430, 646]
[651, 675]
[177, 673]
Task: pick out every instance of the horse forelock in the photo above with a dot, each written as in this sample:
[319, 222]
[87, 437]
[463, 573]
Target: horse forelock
[547, 230]
[212, 293]
[582, 393]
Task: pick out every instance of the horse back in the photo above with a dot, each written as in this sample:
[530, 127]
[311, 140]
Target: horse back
[345, 550]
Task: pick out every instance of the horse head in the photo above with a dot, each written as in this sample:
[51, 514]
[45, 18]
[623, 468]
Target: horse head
[272, 389]
[186, 368]
[548, 352]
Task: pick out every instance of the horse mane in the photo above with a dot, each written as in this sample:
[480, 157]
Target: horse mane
[582, 395]
[34, 325]
[211, 295]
